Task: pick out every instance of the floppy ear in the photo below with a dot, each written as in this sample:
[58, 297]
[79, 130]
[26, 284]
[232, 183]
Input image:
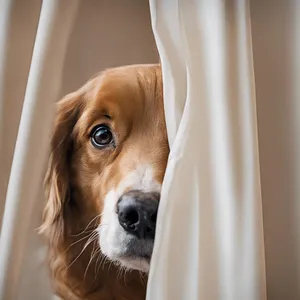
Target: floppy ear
[57, 188]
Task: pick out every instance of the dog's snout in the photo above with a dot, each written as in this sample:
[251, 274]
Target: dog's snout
[137, 213]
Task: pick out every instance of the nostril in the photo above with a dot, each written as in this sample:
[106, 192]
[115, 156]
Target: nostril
[132, 217]
[129, 218]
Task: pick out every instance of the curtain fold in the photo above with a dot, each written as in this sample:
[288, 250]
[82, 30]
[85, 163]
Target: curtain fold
[43, 86]
[209, 242]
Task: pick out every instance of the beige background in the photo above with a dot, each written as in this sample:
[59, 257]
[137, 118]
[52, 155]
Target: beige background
[275, 35]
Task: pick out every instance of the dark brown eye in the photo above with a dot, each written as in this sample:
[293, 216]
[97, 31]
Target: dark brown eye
[101, 136]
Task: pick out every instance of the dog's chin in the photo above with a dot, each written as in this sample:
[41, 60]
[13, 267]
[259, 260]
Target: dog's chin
[135, 263]
[126, 250]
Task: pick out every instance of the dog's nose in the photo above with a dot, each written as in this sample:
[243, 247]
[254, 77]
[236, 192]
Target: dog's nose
[137, 213]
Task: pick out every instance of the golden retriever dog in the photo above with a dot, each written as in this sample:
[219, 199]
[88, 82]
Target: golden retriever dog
[109, 153]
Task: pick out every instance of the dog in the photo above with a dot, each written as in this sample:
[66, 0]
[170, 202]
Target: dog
[108, 156]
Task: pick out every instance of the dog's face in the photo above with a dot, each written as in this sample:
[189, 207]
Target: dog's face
[109, 154]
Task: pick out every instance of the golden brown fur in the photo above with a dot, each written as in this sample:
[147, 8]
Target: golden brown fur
[130, 99]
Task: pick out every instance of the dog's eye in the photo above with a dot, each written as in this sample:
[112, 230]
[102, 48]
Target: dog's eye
[101, 136]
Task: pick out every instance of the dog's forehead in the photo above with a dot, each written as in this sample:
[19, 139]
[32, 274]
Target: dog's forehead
[114, 94]
[125, 93]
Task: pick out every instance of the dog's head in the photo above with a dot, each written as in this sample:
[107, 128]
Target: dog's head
[108, 157]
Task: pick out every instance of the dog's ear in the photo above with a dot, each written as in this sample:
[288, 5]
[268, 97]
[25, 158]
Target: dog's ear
[57, 180]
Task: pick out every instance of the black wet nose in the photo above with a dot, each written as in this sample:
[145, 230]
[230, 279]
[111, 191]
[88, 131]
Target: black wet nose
[137, 213]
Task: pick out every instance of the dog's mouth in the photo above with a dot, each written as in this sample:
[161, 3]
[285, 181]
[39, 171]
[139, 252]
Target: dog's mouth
[135, 253]
[139, 249]
[128, 238]
[126, 250]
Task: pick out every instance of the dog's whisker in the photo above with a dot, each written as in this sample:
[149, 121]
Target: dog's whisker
[99, 256]
[92, 237]
[103, 261]
[90, 240]
[89, 224]
[98, 253]
[124, 270]
[142, 277]
[82, 232]
[89, 233]
[78, 241]
[94, 252]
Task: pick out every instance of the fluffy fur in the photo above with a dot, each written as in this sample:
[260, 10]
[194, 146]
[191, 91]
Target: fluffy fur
[83, 183]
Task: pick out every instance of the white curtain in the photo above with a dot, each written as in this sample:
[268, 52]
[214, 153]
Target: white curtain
[42, 87]
[228, 225]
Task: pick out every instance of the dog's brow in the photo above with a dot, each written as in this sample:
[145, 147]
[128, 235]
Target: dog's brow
[98, 113]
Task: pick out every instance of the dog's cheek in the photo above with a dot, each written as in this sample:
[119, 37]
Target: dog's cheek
[109, 225]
